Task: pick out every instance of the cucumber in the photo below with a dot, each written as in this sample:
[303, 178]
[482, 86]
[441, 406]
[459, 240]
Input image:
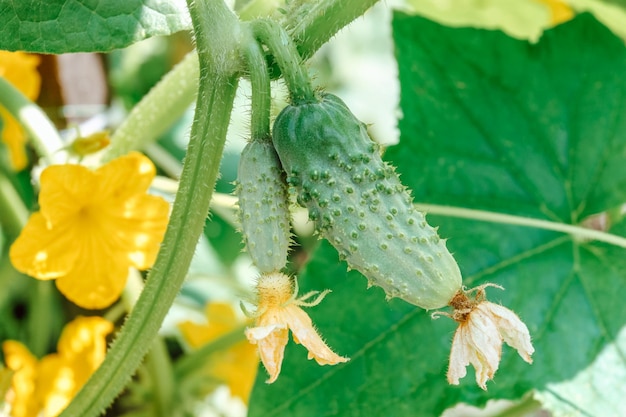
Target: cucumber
[263, 206]
[359, 204]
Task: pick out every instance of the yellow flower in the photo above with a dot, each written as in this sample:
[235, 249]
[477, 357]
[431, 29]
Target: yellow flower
[24, 364]
[92, 226]
[20, 69]
[45, 387]
[278, 312]
[235, 366]
[483, 326]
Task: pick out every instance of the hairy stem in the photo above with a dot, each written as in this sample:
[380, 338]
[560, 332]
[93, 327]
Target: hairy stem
[287, 57]
[261, 90]
[312, 23]
[217, 33]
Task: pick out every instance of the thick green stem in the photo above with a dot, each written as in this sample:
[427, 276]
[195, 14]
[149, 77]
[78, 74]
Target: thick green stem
[261, 90]
[157, 362]
[158, 110]
[287, 57]
[312, 23]
[217, 34]
[40, 129]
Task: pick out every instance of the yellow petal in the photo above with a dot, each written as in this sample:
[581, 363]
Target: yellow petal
[195, 334]
[65, 191]
[125, 177]
[476, 342]
[85, 337]
[303, 332]
[19, 359]
[45, 388]
[20, 69]
[221, 314]
[14, 137]
[56, 385]
[135, 229]
[459, 357]
[96, 282]
[271, 340]
[237, 368]
[83, 344]
[44, 253]
[511, 328]
[221, 318]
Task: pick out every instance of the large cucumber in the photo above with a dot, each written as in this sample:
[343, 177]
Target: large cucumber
[359, 204]
[263, 206]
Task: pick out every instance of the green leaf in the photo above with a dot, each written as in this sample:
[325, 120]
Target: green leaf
[496, 124]
[598, 390]
[611, 13]
[59, 26]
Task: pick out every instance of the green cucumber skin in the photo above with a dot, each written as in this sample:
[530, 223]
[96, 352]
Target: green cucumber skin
[359, 204]
[263, 206]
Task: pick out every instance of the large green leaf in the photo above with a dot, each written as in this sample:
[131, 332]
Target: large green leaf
[496, 124]
[598, 390]
[58, 26]
[612, 13]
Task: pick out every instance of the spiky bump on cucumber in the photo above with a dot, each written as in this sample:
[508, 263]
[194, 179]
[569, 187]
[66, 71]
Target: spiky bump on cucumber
[263, 206]
[359, 204]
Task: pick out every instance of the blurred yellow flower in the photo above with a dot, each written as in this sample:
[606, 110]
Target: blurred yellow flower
[278, 312]
[483, 327]
[20, 69]
[236, 366]
[92, 226]
[44, 388]
[560, 11]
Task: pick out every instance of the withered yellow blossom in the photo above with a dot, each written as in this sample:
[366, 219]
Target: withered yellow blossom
[278, 312]
[20, 69]
[46, 387]
[92, 226]
[483, 326]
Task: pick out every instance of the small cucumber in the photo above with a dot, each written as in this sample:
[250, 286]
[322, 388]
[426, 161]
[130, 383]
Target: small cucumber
[359, 204]
[263, 206]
